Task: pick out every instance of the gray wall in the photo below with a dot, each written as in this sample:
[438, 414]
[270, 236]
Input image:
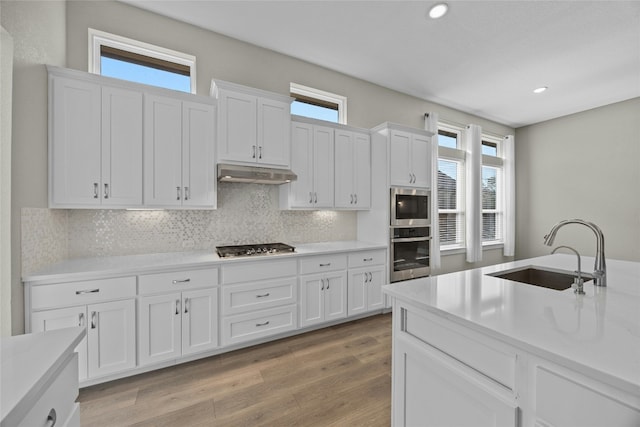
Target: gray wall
[585, 165]
[38, 31]
[6, 83]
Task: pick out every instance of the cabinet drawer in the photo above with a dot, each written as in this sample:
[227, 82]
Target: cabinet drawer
[80, 293]
[364, 259]
[259, 324]
[177, 281]
[259, 270]
[256, 296]
[481, 353]
[60, 397]
[320, 264]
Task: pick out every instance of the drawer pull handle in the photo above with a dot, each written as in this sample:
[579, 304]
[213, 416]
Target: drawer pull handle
[263, 295]
[262, 324]
[175, 282]
[51, 418]
[88, 291]
[93, 320]
[325, 265]
[367, 259]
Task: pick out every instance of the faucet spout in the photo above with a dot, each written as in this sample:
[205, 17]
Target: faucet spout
[600, 268]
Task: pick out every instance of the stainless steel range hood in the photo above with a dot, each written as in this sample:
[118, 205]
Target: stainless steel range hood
[254, 174]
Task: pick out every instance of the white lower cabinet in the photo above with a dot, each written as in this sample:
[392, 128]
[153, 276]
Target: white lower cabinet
[365, 290]
[323, 297]
[109, 346]
[177, 323]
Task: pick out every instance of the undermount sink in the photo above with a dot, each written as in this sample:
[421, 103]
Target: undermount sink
[538, 276]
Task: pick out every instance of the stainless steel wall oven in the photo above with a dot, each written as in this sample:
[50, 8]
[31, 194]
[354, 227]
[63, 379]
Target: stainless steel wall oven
[409, 251]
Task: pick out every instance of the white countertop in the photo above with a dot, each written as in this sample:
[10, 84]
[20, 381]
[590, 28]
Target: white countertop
[103, 267]
[597, 333]
[28, 364]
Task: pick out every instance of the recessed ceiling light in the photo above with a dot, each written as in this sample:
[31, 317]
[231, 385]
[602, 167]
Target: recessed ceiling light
[438, 10]
[540, 89]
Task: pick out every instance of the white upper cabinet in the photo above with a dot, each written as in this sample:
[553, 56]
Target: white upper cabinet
[97, 132]
[410, 159]
[95, 144]
[179, 162]
[352, 170]
[253, 125]
[312, 160]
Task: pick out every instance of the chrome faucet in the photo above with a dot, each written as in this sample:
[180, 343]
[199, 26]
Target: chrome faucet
[578, 283]
[600, 268]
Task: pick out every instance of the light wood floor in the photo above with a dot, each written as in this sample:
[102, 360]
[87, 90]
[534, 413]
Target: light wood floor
[337, 376]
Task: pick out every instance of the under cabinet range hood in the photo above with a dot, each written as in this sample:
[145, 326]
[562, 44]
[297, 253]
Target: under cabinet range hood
[254, 174]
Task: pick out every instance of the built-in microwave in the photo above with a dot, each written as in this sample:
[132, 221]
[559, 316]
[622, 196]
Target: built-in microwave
[409, 207]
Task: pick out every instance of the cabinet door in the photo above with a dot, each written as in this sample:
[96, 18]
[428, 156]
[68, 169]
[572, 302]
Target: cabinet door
[121, 147]
[400, 155]
[430, 392]
[237, 127]
[375, 298]
[335, 296]
[311, 300]
[64, 318]
[199, 320]
[323, 149]
[111, 337]
[357, 292]
[344, 170]
[273, 133]
[159, 326]
[198, 161]
[362, 175]
[74, 115]
[301, 191]
[421, 160]
[162, 151]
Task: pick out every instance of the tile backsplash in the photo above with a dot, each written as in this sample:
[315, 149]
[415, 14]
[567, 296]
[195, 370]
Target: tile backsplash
[247, 213]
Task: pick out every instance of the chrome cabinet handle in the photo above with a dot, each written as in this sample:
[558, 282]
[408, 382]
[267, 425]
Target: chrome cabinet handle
[88, 291]
[186, 305]
[355, 196]
[51, 418]
[351, 202]
[106, 191]
[175, 282]
[262, 324]
[177, 306]
[80, 319]
[370, 277]
[263, 295]
[315, 197]
[325, 265]
[93, 320]
[310, 197]
[322, 282]
[253, 156]
[366, 278]
[328, 283]
[260, 152]
[367, 259]
[95, 190]
[186, 193]
[178, 193]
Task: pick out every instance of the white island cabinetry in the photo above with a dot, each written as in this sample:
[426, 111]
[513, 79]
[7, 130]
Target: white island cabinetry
[473, 349]
[178, 314]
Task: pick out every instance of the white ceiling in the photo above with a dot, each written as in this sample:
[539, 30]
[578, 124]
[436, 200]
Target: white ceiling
[483, 57]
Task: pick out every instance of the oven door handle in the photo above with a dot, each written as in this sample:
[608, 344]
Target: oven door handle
[410, 239]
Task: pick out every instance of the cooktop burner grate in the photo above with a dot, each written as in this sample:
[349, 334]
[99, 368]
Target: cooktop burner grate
[255, 249]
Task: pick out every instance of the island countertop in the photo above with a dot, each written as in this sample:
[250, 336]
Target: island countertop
[597, 333]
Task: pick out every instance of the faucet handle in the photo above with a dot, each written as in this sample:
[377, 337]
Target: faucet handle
[578, 285]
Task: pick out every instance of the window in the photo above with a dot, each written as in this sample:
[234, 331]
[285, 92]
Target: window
[492, 188]
[318, 104]
[450, 188]
[119, 57]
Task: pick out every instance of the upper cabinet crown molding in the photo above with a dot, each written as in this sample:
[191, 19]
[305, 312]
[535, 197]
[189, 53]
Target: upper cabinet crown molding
[389, 126]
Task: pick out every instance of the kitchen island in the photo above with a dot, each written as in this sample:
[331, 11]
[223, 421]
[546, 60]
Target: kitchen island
[474, 349]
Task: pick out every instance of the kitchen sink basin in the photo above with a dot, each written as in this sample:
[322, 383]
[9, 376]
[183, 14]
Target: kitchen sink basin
[538, 276]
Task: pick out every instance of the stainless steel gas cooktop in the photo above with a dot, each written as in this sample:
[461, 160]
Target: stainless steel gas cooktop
[252, 250]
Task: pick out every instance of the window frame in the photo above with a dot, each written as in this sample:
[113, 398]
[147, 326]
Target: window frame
[97, 39]
[455, 155]
[495, 162]
[308, 95]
